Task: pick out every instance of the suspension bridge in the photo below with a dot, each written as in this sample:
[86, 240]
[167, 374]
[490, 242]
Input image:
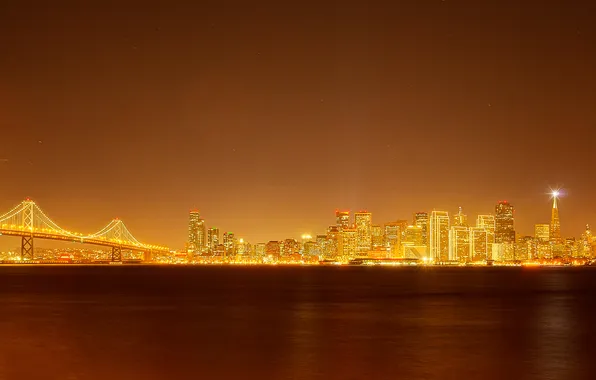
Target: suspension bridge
[28, 221]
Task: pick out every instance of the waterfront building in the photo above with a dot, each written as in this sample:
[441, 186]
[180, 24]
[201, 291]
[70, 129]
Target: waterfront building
[460, 219]
[229, 242]
[196, 232]
[378, 237]
[332, 243]
[479, 245]
[524, 248]
[542, 232]
[555, 224]
[273, 249]
[212, 239]
[504, 223]
[349, 244]
[439, 236]
[421, 220]
[459, 243]
[394, 232]
[363, 223]
[260, 249]
[342, 219]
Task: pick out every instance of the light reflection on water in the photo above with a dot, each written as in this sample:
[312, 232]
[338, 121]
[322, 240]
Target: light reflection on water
[296, 323]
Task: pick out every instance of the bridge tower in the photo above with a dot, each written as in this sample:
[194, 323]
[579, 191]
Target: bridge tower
[117, 250]
[28, 224]
[117, 254]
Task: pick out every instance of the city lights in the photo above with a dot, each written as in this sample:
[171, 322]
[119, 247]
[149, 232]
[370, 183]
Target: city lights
[429, 238]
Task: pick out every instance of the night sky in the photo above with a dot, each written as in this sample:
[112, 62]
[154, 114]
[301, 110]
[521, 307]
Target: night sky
[269, 115]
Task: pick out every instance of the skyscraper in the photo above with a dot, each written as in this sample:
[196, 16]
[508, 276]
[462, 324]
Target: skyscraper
[459, 244]
[290, 247]
[322, 244]
[487, 222]
[241, 247]
[349, 243]
[260, 249]
[196, 232]
[272, 249]
[421, 220]
[413, 236]
[587, 242]
[378, 237]
[363, 222]
[542, 232]
[332, 243]
[439, 236]
[460, 219]
[342, 219]
[555, 225]
[412, 247]
[212, 239]
[504, 227]
[393, 236]
[524, 248]
[229, 242]
[479, 246]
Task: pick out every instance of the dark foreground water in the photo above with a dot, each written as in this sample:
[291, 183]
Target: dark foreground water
[296, 323]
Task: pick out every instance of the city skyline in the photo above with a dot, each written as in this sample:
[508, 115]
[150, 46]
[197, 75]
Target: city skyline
[435, 238]
[230, 189]
[201, 234]
[265, 119]
[429, 238]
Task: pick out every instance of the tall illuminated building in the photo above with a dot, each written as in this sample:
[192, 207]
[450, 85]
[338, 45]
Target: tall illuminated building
[378, 237]
[542, 232]
[504, 227]
[272, 250]
[544, 250]
[413, 235]
[363, 223]
[196, 232]
[487, 222]
[242, 247]
[459, 243]
[421, 220]
[460, 219]
[555, 224]
[332, 243]
[260, 249]
[587, 242]
[525, 248]
[229, 243]
[311, 249]
[439, 236]
[342, 219]
[349, 244]
[479, 245]
[412, 244]
[290, 247]
[212, 239]
[393, 236]
[321, 243]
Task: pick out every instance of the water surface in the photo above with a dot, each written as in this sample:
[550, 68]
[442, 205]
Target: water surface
[130, 322]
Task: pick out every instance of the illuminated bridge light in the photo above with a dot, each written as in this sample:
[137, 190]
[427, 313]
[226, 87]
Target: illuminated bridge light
[28, 210]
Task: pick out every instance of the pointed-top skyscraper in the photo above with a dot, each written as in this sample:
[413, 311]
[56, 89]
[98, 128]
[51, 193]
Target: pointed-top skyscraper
[555, 224]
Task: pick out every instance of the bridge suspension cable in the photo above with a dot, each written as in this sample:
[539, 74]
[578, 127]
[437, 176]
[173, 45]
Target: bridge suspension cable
[28, 220]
